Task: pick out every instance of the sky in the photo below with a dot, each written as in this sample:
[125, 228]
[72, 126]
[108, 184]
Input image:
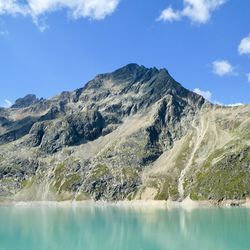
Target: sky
[50, 46]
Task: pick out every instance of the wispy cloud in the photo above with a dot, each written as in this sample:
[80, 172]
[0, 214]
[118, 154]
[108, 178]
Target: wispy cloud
[198, 11]
[92, 9]
[222, 68]
[235, 104]
[209, 96]
[244, 47]
[169, 15]
[6, 104]
[205, 93]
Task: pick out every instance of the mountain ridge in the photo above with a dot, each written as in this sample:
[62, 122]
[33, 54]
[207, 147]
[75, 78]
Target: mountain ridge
[134, 133]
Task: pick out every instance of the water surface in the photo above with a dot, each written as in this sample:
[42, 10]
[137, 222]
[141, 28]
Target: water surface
[108, 228]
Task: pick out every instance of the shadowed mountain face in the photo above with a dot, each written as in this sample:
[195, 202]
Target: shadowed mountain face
[25, 102]
[132, 134]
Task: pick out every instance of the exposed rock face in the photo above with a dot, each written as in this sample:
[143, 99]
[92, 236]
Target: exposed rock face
[132, 134]
[25, 102]
[70, 130]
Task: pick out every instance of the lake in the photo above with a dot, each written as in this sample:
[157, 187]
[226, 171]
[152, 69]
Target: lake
[107, 227]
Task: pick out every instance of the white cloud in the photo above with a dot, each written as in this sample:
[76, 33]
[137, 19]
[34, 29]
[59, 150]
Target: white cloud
[6, 104]
[11, 7]
[198, 11]
[206, 94]
[92, 9]
[244, 47]
[235, 104]
[169, 15]
[222, 68]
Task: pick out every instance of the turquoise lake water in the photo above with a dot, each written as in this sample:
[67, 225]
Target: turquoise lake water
[113, 228]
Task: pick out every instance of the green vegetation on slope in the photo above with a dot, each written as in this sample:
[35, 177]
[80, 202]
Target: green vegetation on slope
[226, 178]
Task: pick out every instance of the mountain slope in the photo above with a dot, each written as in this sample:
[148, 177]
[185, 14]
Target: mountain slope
[134, 133]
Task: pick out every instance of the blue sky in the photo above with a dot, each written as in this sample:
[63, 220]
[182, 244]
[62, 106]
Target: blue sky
[50, 46]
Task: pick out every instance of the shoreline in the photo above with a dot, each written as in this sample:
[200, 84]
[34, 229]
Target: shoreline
[186, 204]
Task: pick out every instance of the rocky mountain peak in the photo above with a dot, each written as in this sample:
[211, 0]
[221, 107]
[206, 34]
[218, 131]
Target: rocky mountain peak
[134, 72]
[132, 80]
[26, 101]
[128, 74]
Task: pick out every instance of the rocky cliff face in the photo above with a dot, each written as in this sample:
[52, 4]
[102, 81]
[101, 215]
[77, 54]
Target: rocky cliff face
[132, 134]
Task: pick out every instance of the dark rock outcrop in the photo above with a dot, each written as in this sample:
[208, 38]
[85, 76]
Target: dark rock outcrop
[25, 102]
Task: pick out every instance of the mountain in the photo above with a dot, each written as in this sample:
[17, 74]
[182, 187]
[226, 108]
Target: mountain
[134, 133]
